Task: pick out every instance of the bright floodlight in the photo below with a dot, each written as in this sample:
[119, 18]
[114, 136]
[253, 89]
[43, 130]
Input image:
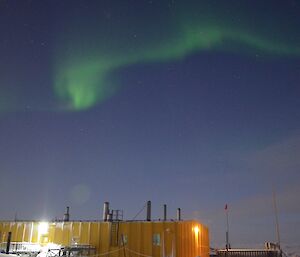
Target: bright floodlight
[43, 228]
[196, 229]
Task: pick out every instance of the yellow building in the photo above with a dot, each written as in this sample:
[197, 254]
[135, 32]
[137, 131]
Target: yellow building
[115, 238]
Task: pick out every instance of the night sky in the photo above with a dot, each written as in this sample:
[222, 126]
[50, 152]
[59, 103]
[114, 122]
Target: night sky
[190, 103]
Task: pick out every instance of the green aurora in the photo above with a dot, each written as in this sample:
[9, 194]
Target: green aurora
[85, 63]
[84, 82]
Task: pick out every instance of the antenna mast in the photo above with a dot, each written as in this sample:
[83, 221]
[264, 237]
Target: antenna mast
[276, 218]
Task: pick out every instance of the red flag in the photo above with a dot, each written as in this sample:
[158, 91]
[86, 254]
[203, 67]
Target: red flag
[226, 206]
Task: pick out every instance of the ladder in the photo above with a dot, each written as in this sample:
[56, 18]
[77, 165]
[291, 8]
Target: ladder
[114, 233]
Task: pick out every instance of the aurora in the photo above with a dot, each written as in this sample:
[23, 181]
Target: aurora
[91, 45]
[83, 78]
[84, 83]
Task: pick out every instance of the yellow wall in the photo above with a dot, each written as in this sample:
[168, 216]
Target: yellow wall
[156, 238]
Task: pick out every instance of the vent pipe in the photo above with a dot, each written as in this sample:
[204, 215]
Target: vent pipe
[148, 211]
[105, 211]
[8, 243]
[178, 214]
[165, 212]
[67, 214]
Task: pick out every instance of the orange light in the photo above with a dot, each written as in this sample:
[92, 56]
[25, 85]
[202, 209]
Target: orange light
[196, 229]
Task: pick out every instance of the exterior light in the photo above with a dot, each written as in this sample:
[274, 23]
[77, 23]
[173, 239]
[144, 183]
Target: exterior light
[197, 237]
[196, 229]
[43, 228]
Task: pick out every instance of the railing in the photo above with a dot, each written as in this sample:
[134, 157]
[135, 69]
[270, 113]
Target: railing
[117, 215]
[33, 249]
[72, 251]
[21, 247]
[249, 253]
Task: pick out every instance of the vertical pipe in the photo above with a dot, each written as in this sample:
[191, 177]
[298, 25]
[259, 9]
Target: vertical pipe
[123, 243]
[178, 214]
[8, 242]
[148, 211]
[165, 212]
[67, 214]
[105, 211]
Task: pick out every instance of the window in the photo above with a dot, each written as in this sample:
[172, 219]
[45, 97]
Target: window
[156, 239]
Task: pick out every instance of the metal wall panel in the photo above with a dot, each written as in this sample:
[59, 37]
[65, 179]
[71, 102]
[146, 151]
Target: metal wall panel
[156, 238]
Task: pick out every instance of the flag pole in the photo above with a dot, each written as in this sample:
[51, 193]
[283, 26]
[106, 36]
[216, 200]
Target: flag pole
[227, 231]
[276, 218]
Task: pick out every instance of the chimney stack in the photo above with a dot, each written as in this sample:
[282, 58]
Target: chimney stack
[165, 212]
[105, 211]
[178, 214]
[149, 211]
[67, 214]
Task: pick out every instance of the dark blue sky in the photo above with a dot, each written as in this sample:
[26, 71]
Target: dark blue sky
[197, 128]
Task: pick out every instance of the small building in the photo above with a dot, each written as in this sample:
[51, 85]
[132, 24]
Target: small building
[111, 237]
